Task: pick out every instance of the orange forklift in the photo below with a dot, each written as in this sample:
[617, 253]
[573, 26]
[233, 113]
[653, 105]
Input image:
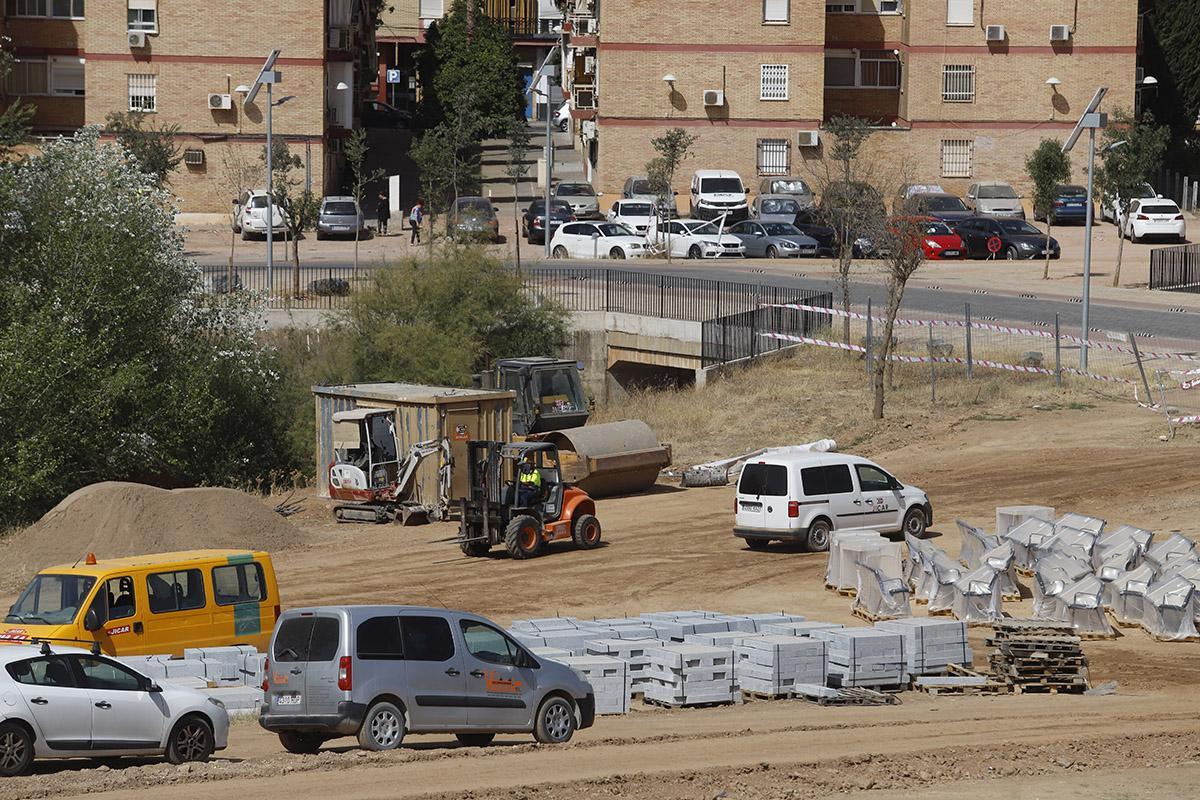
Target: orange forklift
[522, 515]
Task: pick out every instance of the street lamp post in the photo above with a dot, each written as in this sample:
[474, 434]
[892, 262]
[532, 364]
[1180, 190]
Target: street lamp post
[268, 77]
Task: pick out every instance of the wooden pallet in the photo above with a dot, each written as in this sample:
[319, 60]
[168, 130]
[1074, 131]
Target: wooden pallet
[1037, 688]
[856, 697]
[847, 592]
[943, 613]
[664, 704]
[868, 616]
[991, 687]
[749, 695]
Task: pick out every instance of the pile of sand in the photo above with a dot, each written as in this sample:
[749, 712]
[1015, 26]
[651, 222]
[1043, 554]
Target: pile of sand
[126, 519]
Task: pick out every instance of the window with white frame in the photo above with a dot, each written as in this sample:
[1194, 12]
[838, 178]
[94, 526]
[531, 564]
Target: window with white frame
[956, 158]
[431, 9]
[776, 12]
[773, 79]
[66, 76]
[958, 83]
[27, 77]
[863, 7]
[143, 16]
[960, 12]
[774, 156]
[841, 8]
[143, 90]
[64, 9]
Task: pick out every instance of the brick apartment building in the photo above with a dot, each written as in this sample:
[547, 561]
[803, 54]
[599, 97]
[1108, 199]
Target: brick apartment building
[957, 88]
[182, 63]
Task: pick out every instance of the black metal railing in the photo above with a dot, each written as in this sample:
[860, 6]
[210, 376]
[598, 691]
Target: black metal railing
[315, 287]
[734, 337]
[1175, 269]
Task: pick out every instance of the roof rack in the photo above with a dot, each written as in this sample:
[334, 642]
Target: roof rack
[45, 641]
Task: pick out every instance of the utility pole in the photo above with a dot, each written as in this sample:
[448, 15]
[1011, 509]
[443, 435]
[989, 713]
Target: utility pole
[1091, 121]
[268, 77]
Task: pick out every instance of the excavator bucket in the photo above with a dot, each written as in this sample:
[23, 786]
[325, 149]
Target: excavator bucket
[609, 459]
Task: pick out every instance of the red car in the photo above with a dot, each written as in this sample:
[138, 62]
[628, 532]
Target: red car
[940, 242]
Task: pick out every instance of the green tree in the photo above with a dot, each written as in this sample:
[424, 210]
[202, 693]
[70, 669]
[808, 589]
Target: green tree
[17, 116]
[114, 362]
[448, 160]
[153, 146]
[673, 148]
[1172, 57]
[1047, 167]
[1132, 151]
[360, 176]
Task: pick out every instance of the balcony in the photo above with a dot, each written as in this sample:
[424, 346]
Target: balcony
[523, 19]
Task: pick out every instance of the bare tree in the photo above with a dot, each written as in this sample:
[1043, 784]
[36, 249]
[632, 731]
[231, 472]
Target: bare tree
[516, 167]
[903, 254]
[238, 174]
[356, 159]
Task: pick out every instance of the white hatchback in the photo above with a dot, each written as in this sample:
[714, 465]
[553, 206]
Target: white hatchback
[697, 238]
[70, 703]
[637, 215]
[1156, 216]
[596, 240]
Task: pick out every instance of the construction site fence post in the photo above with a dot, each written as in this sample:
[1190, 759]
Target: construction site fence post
[870, 348]
[1141, 367]
[970, 370]
[932, 369]
[1057, 354]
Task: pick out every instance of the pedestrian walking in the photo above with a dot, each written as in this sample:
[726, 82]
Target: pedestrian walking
[383, 213]
[415, 218]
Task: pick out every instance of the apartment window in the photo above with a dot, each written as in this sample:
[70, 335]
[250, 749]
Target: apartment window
[143, 92]
[66, 76]
[960, 12]
[432, 9]
[958, 83]
[956, 158]
[878, 69]
[66, 9]
[143, 15]
[864, 7]
[841, 70]
[774, 82]
[841, 8]
[773, 156]
[27, 77]
[776, 12]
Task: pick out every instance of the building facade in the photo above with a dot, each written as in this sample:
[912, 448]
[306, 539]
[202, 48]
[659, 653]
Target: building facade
[182, 64]
[958, 90]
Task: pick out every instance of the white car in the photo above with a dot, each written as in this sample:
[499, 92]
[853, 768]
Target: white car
[562, 117]
[1110, 207]
[597, 240]
[70, 703]
[1155, 217]
[250, 215]
[637, 215]
[719, 192]
[697, 238]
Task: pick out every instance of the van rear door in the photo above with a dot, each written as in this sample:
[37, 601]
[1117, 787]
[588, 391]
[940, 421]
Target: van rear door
[763, 496]
[324, 663]
[289, 655]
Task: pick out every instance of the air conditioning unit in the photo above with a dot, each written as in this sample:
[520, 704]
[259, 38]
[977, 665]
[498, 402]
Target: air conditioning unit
[1060, 33]
[588, 129]
[996, 33]
[220, 102]
[193, 157]
[137, 40]
[808, 138]
[714, 97]
[589, 64]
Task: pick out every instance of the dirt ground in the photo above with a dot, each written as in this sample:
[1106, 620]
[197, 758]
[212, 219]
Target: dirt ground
[673, 549]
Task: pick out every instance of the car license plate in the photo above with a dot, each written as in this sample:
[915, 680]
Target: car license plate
[950, 252]
[341, 227]
[751, 506]
[287, 700]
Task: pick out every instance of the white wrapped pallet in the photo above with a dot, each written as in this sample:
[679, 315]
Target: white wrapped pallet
[944, 574]
[1168, 549]
[690, 674]
[1170, 610]
[1009, 517]
[1026, 538]
[1125, 595]
[977, 597]
[931, 643]
[1082, 522]
[864, 657]
[774, 665]
[609, 678]
[839, 574]
[975, 542]
[879, 596]
[1082, 605]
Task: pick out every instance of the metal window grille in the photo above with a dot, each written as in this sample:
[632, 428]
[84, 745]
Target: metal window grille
[776, 11]
[143, 92]
[774, 79]
[773, 156]
[958, 83]
[841, 8]
[956, 158]
[879, 69]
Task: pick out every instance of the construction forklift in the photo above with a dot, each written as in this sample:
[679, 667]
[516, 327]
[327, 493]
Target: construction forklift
[500, 509]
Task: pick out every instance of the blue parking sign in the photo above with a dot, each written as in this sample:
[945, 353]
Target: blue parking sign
[393, 76]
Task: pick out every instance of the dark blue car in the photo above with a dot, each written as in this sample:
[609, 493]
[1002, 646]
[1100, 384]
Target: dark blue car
[1070, 205]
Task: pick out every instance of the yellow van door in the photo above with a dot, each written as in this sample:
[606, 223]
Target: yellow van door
[121, 632]
[179, 615]
[240, 591]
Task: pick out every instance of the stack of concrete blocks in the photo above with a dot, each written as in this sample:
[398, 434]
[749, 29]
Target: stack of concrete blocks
[930, 643]
[673, 626]
[865, 658]
[563, 633]
[1009, 517]
[228, 666]
[691, 674]
[765, 620]
[804, 628]
[610, 680]
[634, 652]
[773, 665]
[552, 653]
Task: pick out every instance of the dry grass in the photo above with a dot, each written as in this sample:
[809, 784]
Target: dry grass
[811, 394]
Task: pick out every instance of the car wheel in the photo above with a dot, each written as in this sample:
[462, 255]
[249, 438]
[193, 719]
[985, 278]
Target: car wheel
[191, 740]
[772, 252]
[382, 728]
[302, 744]
[914, 523]
[523, 537]
[560, 252]
[321, 236]
[16, 750]
[562, 126]
[758, 544]
[617, 254]
[1011, 253]
[585, 531]
[475, 739]
[555, 721]
[1133, 237]
[817, 537]
[694, 252]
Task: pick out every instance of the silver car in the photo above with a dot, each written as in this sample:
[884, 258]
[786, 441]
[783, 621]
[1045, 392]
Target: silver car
[774, 239]
[380, 672]
[775, 208]
[995, 199]
[796, 188]
[340, 216]
[71, 703]
[581, 197]
[638, 188]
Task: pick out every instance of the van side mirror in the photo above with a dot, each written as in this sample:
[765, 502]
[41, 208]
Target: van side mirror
[91, 620]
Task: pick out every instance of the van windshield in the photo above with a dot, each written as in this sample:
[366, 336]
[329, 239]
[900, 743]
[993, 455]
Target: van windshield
[764, 480]
[715, 185]
[51, 599]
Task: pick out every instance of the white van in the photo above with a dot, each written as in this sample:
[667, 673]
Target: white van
[719, 191]
[803, 496]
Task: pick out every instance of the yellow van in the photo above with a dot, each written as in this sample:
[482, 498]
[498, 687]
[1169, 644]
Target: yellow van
[149, 604]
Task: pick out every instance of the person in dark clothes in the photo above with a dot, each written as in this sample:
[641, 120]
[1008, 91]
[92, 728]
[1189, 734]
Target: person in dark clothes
[415, 218]
[383, 213]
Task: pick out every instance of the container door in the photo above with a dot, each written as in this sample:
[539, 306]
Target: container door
[462, 426]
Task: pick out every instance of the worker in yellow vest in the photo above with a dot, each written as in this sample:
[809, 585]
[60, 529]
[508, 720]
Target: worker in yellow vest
[529, 483]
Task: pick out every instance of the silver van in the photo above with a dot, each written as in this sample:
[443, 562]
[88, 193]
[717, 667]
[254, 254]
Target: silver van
[380, 672]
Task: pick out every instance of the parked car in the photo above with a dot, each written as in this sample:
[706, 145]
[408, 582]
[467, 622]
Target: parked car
[719, 192]
[340, 216]
[774, 239]
[376, 114]
[562, 117]
[870, 213]
[802, 497]
[938, 239]
[637, 215]
[581, 197]
[809, 222]
[250, 215]
[941, 205]
[698, 238]
[381, 672]
[775, 208]
[638, 188]
[533, 221]
[907, 190]
[597, 240]
[1155, 217]
[69, 703]
[156, 603]
[473, 218]
[793, 187]
[995, 199]
[1110, 207]
[1070, 204]
[1018, 239]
